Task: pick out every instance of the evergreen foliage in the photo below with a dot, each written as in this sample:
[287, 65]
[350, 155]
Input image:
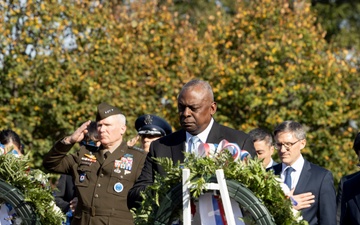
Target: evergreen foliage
[34, 185]
[251, 173]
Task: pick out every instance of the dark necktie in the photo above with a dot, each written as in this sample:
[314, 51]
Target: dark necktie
[107, 154]
[288, 172]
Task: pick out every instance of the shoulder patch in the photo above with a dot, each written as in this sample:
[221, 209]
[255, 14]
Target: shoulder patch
[136, 149]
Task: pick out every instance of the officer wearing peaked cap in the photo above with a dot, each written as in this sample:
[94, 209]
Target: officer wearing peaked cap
[150, 128]
[102, 178]
[152, 125]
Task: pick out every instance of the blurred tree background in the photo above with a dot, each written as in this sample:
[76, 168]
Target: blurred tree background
[267, 60]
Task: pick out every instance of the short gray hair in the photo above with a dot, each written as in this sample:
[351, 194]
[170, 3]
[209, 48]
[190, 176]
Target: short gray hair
[293, 127]
[196, 82]
[122, 118]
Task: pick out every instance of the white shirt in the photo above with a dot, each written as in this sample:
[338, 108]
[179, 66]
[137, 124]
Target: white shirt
[295, 175]
[202, 136]
[270, 163]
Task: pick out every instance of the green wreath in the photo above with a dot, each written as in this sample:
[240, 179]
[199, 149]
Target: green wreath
[28, 191]
[256, 190]
[23, 209]
[237, 191]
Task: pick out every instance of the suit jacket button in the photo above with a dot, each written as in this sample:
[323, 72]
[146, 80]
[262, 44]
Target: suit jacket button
[96, 195]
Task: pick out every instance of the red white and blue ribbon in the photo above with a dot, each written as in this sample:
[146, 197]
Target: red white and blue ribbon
[212, 211]
[209, 149]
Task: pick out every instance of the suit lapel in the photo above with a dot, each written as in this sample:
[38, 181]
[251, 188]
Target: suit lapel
[117, 154]
[177, 151]
[355, 207]
[277, 169]
[214, 136]
[99, 157]
[304, 178]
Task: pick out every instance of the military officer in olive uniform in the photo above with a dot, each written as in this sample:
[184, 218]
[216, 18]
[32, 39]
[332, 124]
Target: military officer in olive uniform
[103, 177]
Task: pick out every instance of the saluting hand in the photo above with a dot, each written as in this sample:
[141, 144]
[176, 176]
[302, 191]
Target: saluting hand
[78, 135]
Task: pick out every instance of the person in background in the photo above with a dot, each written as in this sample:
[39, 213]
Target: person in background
[149, 128]
[348, 196]
[264, 146]
[102, 178]
[12, 143]
[65, 196]
[196, 107]
[312, 187]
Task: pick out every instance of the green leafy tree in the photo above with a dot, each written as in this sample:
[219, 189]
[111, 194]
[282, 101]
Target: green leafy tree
[278, 66]
[341, 21]
[266, 62]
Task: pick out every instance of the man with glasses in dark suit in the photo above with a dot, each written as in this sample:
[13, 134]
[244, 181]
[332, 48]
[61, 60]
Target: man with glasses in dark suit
[311, 186]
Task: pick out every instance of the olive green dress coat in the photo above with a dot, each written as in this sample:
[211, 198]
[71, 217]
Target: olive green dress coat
[102, 184]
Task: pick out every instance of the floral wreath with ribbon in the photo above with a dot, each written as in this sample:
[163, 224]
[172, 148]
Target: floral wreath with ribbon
[236, 164]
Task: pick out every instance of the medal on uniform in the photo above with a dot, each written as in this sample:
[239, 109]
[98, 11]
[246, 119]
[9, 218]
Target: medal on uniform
[117, 165]
[86, 163]
[118, 187]
[88, 159]
[82, 177]
[126, 163]
[90, 156]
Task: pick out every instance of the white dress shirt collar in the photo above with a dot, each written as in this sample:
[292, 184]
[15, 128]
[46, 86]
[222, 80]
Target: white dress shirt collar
[295, 175]
[202, 136]
[270, 163]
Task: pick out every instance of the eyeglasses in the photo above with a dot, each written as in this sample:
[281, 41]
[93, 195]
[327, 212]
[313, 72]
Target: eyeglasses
[286, 145]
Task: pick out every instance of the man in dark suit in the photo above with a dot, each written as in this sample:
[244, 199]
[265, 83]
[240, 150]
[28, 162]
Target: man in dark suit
[350, 202]
[311, 186]
[348, 197]
[65, 192]
[264, 146]
[196, 108]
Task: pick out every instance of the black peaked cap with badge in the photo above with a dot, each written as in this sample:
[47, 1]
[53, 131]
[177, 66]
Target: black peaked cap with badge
[105, 110]
[152, 125]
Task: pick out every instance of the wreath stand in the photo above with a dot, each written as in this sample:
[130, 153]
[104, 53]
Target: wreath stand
[220, 185]
[23, 209]
[175, 199]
